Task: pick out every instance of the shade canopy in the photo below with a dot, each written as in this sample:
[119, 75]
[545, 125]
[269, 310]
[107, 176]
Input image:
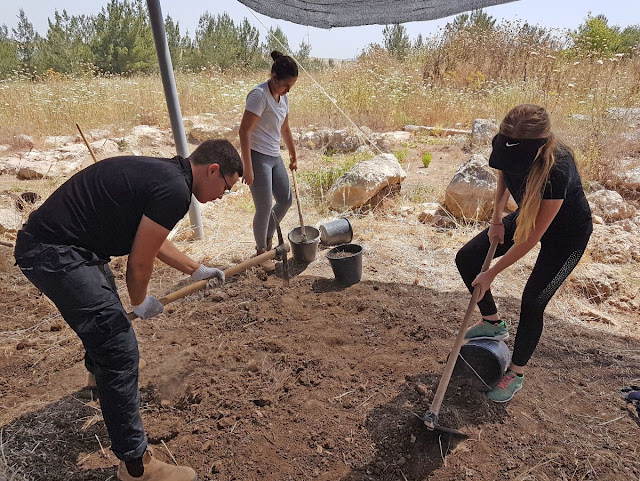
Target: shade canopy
[351, 13]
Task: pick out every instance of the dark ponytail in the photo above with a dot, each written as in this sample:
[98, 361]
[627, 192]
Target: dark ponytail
[283, 66]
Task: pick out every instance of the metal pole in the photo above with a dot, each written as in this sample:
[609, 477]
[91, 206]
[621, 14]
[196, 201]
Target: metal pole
[171, 95]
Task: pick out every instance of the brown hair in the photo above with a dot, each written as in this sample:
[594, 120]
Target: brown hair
[529, 121]
[283, 66]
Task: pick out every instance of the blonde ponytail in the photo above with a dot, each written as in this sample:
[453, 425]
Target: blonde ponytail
[536, 182]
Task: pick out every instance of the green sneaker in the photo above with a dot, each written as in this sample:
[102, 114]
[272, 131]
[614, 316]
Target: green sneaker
[510, 384]
[487, 330]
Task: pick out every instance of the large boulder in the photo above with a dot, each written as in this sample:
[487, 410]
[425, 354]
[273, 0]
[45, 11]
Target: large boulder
[10, 220]
[199, 128]
[366, 180]
[483, 130]
[613, 244]
[610, 205]
[597, 282]
[470, 193]
[329, 139]
[626, 177]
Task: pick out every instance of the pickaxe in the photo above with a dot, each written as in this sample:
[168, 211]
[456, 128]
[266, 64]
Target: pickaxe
[279, 252]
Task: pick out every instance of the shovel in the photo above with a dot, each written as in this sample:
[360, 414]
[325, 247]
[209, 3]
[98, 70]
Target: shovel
[430, 419]
[303, 236]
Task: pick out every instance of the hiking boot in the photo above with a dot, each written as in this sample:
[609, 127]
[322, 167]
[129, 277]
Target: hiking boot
[487, 330]
[510, 384]
[155, 470]
[269, 266]
[91, 379]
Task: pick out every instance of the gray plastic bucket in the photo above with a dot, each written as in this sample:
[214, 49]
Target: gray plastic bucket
[346, 268]
[489, 359]
[336, 232]
[304, 251]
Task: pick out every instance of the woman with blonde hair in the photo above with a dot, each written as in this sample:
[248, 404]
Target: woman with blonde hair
[541, 174]
[265, 121]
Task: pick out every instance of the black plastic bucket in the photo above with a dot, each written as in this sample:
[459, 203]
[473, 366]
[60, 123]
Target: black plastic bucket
[336, 232]
[489, 359]
[346, 263]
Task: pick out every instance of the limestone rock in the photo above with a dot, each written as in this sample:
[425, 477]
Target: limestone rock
[22, 142]
[483, 130]
[625, 249]
[10, 220]
[610, 205]
[470, 193]
[369, 177]
[597, 282]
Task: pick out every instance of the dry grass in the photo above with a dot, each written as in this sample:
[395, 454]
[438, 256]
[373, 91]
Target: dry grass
[448, 85]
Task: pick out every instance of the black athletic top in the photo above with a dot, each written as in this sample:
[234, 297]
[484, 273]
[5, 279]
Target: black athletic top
[564, 183]
[100, 207]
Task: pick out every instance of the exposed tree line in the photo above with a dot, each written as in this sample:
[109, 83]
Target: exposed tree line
[119, 40]
[595, 36]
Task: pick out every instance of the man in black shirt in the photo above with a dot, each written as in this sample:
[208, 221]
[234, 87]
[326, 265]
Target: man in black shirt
[120, 206]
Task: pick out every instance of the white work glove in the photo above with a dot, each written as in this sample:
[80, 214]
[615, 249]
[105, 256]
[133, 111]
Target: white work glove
[149, 308]
[204, 272]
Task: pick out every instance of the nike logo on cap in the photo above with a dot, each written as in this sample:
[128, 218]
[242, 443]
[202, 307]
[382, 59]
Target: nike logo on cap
[511, 145]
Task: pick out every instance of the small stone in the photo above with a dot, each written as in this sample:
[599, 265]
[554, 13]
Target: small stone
[329, 444]
[422, 389]
[216, 467]
[401, 461]
[206, 445]
[319, 449]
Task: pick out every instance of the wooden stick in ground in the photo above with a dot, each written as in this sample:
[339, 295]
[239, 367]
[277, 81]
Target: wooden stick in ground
[87, 143]
[6, 244]
[199, 285]
[453, 356]
[295, 188]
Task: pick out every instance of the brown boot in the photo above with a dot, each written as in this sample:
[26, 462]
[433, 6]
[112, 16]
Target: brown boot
[268, 266]
[91, 379]
[155, 470]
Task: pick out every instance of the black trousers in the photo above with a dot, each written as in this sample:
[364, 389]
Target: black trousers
[558, 256]
[82, 287]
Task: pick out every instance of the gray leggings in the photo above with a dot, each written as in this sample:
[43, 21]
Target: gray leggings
[270, 179]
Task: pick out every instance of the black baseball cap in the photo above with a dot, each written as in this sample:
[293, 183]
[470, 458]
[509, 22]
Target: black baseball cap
[514, 156]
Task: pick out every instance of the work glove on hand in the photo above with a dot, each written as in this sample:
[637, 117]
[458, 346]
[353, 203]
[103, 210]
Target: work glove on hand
[204, 272]
[149, 308]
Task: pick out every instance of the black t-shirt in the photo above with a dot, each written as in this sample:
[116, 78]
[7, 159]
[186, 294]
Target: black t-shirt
[100, 207]
[564, 183]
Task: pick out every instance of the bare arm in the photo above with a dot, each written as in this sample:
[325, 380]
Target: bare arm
[146, 244]
[501, 199]
[496, 228]
[285, 131]
[248, 123]
[173, 257]
[548, 210]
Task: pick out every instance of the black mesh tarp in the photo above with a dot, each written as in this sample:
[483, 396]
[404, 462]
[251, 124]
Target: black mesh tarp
[349, 13]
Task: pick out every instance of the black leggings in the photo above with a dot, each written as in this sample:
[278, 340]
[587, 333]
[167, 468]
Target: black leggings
[558, 256]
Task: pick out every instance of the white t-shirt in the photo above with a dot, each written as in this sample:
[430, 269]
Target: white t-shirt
[265, 137]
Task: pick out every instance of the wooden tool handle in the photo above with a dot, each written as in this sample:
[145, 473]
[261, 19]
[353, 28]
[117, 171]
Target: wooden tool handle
[86, 143]
[196, 286]
[295, 188]
[453, 356]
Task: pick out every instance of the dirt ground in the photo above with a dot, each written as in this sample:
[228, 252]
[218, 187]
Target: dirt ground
[255, 381]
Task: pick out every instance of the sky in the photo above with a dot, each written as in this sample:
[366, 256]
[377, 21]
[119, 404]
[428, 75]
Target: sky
[339, 43]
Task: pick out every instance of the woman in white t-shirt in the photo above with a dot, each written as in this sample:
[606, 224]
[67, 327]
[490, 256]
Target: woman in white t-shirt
[264, 123]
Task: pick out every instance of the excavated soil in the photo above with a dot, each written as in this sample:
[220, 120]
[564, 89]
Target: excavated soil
[255, 381]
